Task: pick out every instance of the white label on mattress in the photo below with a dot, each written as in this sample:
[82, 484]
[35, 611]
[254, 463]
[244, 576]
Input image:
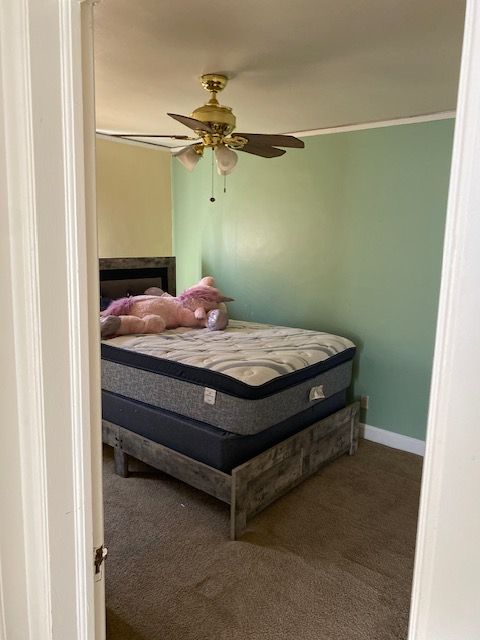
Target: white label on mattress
[316, 393]
[209, 395]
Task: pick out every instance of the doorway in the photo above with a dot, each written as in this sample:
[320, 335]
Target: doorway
[430, 611]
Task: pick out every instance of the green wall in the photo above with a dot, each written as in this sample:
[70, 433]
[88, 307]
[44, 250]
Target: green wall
[345, 236]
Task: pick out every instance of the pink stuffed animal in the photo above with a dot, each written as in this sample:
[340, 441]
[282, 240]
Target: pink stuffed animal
[199, 306]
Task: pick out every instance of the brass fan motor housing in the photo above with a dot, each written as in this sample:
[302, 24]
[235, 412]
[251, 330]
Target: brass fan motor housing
[213, 82]
[216, 115]
[220, 118]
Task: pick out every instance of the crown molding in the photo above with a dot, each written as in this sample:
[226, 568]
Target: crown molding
[135, 143]
[376, 124]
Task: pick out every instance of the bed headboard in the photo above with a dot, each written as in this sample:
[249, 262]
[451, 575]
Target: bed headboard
[121, 277]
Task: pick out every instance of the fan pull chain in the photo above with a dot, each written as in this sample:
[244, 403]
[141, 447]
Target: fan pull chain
[225, 183]
[212, 199]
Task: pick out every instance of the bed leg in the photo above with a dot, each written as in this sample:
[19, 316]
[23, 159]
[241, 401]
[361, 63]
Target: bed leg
[238, 514]
[238, 522]
[121, 462]
[355, 432]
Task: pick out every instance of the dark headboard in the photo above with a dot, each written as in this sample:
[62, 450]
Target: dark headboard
[121, 277]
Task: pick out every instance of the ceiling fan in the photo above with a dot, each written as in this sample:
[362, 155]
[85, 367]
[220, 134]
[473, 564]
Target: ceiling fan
[214, 127]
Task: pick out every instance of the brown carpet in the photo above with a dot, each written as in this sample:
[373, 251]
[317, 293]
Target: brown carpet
[332, 560]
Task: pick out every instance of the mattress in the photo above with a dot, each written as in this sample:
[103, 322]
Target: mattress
[244, 380]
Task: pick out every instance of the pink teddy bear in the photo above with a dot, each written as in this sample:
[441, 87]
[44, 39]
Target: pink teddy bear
[199, 306]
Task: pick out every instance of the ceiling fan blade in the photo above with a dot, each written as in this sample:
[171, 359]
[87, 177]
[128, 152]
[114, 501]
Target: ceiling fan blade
[145, 135]
[196, 125]
[273, 140]
[262, 150]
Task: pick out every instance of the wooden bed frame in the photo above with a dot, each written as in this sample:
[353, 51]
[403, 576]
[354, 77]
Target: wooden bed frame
[256, 483]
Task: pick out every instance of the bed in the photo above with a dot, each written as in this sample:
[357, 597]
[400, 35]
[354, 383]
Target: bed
[244, 414]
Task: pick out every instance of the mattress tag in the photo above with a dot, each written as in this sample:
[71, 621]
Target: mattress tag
[209, 395]
[316, 393]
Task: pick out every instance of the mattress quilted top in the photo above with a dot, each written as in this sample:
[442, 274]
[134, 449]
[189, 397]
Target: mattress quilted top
[252, 353]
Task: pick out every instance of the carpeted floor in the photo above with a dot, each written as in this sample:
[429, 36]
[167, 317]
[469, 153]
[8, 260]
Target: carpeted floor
[332, 560]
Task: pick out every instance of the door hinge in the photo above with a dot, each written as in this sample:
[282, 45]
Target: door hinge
[99, 556]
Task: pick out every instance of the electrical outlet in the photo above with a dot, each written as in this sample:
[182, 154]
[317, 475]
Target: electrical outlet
[364, 402]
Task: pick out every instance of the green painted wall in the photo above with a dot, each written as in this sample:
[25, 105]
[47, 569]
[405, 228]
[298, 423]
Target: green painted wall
[345, 236]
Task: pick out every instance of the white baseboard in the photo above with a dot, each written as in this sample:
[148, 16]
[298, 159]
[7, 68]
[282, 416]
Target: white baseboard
[391, 439]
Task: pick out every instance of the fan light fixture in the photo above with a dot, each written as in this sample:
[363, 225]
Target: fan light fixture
[226, 160]
[188, 156]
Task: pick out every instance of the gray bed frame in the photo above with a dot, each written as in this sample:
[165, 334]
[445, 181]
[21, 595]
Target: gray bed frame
[256, 483]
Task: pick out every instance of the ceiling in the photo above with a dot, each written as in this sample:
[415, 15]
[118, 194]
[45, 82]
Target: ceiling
[294, 66]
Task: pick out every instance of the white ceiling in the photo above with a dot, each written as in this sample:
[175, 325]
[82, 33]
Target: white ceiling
[295, 65]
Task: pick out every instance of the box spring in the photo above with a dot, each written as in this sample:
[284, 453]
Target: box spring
[215, 447]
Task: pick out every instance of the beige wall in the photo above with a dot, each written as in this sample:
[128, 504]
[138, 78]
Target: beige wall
[133, 200]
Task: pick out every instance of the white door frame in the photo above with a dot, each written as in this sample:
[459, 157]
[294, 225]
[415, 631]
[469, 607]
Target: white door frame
[49, 341]
[446, 591]
[51, 513]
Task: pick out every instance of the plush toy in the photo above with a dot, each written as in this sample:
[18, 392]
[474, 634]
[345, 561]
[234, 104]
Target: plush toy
[199, 306]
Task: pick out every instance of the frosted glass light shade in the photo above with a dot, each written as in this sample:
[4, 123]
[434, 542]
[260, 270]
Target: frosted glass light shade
[188, 157]
[226, 160]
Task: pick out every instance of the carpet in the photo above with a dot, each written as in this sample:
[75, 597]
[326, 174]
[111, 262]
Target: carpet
[331, 560]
